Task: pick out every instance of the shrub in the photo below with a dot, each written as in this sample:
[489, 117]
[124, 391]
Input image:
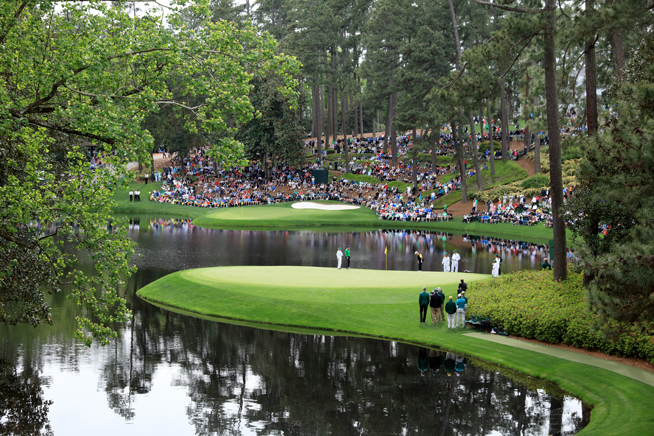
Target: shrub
[532, 305]
[536, 181]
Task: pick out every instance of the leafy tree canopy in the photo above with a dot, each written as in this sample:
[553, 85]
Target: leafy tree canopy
[76, 73]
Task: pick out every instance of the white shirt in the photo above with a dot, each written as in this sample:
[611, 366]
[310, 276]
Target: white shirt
[339, 254]
[456, 257]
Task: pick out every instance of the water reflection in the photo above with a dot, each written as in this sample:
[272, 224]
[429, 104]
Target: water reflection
[172, 374]
[23, 411]
[168, 371]
[198, 247]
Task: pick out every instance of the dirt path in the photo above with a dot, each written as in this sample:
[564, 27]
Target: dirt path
[527, 165]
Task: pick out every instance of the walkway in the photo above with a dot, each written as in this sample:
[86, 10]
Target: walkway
[632, 372]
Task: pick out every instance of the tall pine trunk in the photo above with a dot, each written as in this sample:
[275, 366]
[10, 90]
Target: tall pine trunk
[591, 76]
[387, 126]
[475, 155]
[346, 146]
[394, 157]
[491, 145]
[458, 144]
[553, 131]
[505, 122]
[618, 50]
[536, 145]
[527, 132]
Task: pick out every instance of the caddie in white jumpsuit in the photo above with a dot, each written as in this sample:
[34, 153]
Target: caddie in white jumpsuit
[446, 262]
[339, 256]
[455, 261]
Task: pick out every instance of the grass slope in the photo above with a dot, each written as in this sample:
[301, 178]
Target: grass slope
[282, 215]
[384, 305]
[505, 172]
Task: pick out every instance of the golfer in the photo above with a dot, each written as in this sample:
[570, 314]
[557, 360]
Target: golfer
[347, 256]
[419, 257]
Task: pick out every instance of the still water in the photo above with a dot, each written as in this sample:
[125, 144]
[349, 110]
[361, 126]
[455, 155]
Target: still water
[170, 374]
[165, 241]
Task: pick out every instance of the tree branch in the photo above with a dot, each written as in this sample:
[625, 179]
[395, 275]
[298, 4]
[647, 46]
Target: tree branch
[518, 55]
[74, 132]
[509, 8]
[459, 74]
[13, 22]
[16, 241]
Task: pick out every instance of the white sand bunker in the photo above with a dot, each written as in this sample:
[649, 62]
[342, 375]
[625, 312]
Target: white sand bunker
[312, 205]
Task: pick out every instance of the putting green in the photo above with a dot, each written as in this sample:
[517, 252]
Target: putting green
[326, 285]
[385, 305]
[274, 215]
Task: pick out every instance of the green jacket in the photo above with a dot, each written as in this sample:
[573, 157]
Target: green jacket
[423, 298]
[450, 307]
[347, 252]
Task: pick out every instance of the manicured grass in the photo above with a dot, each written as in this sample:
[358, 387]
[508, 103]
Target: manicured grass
[147, 207]
[384, 305]
[505, 172]
[282, 215]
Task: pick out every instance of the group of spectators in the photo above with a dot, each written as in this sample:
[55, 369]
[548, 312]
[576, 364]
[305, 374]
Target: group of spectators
[455, 309]
[196, 181]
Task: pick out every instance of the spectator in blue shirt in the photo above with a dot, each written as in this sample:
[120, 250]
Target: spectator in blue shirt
[460, 312]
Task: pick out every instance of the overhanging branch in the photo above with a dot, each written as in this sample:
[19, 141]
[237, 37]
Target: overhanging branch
[509, 8]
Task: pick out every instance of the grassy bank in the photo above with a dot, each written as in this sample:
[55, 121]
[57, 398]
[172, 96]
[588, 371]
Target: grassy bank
[505, 172]
[384, 305]
[282, 215]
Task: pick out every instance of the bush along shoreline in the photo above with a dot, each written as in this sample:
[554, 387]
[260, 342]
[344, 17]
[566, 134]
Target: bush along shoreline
[530, 304]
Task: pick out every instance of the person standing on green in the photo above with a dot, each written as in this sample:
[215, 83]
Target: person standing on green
[347, 256]
[450, 308]
[423, 301]
[440, 294]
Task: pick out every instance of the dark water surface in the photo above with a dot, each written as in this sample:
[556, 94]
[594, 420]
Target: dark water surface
[165, 241]
[170, 374]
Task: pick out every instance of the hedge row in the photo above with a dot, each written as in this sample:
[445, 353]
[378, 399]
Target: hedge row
[530, 304]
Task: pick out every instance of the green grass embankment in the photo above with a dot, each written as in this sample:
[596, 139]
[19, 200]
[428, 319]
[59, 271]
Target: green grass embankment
[146, 207]
[505, 172]
[282, 215]
[384, 305]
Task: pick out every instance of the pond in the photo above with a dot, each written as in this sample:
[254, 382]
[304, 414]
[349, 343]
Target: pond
[173, 374]
[164, 241]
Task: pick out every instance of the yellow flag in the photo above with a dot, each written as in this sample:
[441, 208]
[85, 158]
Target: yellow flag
[385, 250]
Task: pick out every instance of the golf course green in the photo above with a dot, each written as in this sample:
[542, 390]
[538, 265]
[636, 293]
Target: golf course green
[384, 305]
[284, 216]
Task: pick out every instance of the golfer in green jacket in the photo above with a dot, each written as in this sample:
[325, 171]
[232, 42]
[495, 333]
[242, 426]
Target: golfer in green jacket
[347, 256]
[423, 301]
[450, 308]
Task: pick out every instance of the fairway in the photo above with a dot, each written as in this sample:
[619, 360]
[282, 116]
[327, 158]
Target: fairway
[271, 215]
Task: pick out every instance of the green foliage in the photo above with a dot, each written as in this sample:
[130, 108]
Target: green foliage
[532, 305]
[615, 190]
[276, 132]
[75, 73]
[535, 181]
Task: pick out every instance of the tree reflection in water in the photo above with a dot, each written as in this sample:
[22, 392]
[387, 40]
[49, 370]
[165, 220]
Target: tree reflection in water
[23, 411]
[238, 380]
[241, 378]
